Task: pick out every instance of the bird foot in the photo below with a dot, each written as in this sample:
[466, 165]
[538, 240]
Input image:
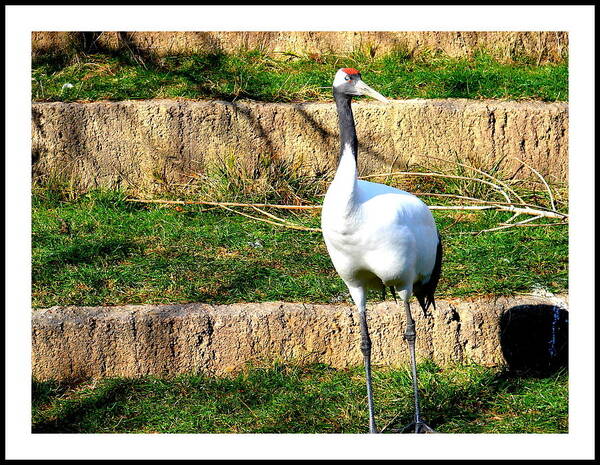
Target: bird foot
[418, 427]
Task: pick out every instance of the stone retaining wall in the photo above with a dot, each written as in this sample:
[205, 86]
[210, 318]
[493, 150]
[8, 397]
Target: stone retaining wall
[138, 145]
[133, 341]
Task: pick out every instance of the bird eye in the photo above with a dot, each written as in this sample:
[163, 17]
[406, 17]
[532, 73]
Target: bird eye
[347, 78]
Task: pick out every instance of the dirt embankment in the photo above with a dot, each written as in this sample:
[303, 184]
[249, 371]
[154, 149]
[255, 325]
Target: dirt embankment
[540, 46]
[133, 341]
[141, 145]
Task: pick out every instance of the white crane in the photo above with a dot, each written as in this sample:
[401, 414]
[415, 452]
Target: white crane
[378, 237]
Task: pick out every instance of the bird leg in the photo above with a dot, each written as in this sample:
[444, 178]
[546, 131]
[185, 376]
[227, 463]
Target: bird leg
[365, 347]
[411, 335]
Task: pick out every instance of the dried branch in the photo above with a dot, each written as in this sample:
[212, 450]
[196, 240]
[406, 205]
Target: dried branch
[515, 216]
[477, 170]
[491, 206]
[441, 175]
[290, 225]
[559, 223]
[286, 222]
[526, 220]
[516, 225]
[489, 202]
[542, 179]
[227, 204]
[532, 211]
[485, 174]
[507, 208]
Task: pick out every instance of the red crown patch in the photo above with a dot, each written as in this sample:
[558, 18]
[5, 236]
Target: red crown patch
[350, 71]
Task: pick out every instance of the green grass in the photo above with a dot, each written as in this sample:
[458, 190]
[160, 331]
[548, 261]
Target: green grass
[286, 78]
[313, 399]
[99, 249]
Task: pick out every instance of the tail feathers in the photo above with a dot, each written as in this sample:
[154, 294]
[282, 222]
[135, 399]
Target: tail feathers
[425, 292]
[426, 301]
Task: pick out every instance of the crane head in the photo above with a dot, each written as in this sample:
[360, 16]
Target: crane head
[349, 82]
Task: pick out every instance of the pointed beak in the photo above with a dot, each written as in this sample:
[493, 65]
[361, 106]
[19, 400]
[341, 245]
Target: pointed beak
[364, 89]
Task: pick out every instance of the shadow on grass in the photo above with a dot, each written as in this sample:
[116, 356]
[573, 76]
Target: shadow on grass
[231, 282]
[477, 406]
[88, 251]
[71, 415]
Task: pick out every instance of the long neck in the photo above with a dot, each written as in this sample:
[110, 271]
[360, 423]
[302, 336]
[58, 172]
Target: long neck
[346, 123]
[344, 185]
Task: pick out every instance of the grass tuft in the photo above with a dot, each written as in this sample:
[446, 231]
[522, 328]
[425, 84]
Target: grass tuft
[262, 178]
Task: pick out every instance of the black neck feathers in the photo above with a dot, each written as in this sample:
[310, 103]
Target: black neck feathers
[346, 123]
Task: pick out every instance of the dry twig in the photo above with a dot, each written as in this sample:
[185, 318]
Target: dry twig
[496, 187]
[543, 181]
[227, 204]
